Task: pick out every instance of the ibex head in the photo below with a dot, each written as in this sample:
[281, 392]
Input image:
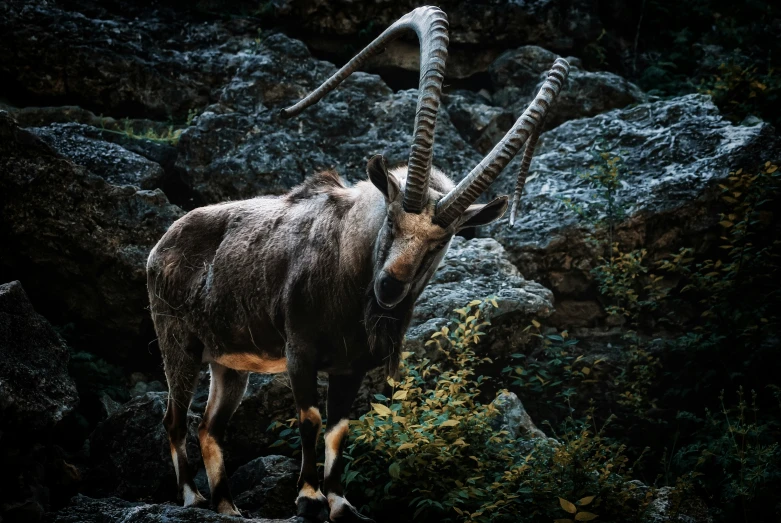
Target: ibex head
[421, 220]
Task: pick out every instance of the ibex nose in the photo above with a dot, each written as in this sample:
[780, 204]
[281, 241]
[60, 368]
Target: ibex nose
[389, 290]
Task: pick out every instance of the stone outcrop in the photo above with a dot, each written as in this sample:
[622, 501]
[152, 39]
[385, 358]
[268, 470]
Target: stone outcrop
[35, 390]
[240, 147]
[89, 510]
[673, 153]
[476, 269]
[517, 75]
[78, 243]
[130, 456]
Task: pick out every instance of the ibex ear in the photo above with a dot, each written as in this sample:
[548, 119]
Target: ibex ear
[483, 214]
[381, 178]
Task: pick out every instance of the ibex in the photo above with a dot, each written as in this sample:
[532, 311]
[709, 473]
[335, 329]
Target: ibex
[323, 278]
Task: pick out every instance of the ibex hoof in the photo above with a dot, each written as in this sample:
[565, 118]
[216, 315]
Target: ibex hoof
[350, 515]
[312, 506]
[343, 512]
[228, 508]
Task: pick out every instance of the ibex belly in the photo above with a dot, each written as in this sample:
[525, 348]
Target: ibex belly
[252, 363]
[252, 350]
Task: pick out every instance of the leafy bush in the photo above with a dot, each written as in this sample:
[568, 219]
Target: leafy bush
[434, 452]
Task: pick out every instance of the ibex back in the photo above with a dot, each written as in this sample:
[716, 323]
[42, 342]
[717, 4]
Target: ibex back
[323, 278]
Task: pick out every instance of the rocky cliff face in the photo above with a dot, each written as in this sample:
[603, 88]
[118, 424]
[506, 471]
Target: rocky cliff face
[121, 116]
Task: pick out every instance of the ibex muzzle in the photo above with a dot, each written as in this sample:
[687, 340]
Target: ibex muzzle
[323, 278]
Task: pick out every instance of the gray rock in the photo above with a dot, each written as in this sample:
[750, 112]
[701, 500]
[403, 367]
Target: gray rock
[88, 510]
[79, 244]
[674, 151]
[479, 122]
[111, 162]
[663, 509]
[266, 487]
[557, 25]
[514, 418]
[240, 147]
[518, 74]
[119, 58]
[36, 391]
[130, 456]
[476, 269]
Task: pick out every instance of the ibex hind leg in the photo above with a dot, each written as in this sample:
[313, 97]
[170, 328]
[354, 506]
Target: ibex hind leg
[225, 393]
[182, 365]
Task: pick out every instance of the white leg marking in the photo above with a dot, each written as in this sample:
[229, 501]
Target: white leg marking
[190, 496]
[333, 439]
[338, 505]
[175, 457]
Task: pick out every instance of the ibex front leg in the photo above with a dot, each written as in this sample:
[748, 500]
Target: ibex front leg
[310, 502]
[342, 390]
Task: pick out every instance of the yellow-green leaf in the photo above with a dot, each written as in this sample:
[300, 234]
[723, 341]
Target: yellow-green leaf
[586, 371]
[566, 505]
[585, 501]
[473, 303]
[536, 323]
[450, 423]
[405, 446]
[585, 516]
[394, 470]
[400, 395]
[381, 409]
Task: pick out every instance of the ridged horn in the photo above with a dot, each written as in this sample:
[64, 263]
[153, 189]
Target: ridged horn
[523, 172]
[430, 24]
[454, 203]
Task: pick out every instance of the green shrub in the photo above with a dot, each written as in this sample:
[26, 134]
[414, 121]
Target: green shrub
[433, 451]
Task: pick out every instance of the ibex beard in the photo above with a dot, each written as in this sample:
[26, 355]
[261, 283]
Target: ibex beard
[321, 279]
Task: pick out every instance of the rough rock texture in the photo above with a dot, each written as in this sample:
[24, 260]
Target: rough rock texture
[35, 389]
[477, 119]
[517, 75]
[663, 510]
[665, 205]
[87, 510]
[118, 166]
[487, 22]
[476, 269]
[240, 147]
[78, 243]
[117, 57]
[514, 418]
[130, 456]
[266, 487]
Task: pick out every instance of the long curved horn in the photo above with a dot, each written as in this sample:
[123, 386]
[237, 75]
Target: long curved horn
[430, 24]
[454, 203]
[523, 172]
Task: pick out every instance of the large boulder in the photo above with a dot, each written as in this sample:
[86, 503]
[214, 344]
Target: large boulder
[115, 164]
[517, 75]
[130, 455]
[88, 510]
[266, 487]
[476, 269]
[674, 153]
[241, 147]
[36, 391]
[79, 244]
[486, 23]
[116, 57]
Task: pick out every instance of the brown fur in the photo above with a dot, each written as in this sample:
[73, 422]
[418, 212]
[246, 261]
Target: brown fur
[294, 283]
